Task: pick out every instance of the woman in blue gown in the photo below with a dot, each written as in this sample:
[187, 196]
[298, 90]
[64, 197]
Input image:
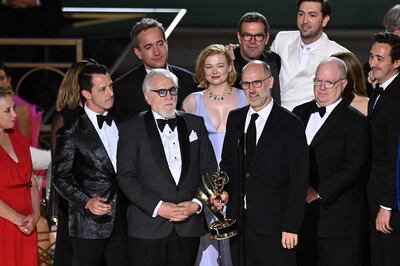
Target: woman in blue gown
[216, 75]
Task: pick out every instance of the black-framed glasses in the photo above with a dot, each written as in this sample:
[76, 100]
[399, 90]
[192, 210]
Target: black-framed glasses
[255, 83]
[258, 37]
[328, 84]
[163, 92]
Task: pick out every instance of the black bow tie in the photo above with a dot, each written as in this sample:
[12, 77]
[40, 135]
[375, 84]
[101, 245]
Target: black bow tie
[162, 122]
[104, 118]
[320, 110]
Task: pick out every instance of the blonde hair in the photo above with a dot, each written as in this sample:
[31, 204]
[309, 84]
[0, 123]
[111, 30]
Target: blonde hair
[201, 59]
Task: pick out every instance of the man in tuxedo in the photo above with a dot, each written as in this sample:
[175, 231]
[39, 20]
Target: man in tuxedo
[253, 36]
[265, 156]
[85, 174]
[162, 155]
[301, 51]
[384, 118]
[151, 47]
[338, 139]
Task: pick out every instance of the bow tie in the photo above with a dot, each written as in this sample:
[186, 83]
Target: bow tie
[320, 110]
[162, 122]
[104, 118]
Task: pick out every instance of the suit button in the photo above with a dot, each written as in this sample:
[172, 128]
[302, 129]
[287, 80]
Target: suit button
[247, 175]
[177, 188]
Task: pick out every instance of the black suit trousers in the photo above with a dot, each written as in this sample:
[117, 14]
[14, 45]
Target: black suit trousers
[100, 252]
[173, 250]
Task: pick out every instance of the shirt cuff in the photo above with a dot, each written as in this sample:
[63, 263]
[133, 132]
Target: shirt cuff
[156, 209]
[199, 203]
[385, 208]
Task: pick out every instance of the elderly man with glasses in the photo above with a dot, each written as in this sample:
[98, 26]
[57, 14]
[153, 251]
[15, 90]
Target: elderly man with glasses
[337, 134]
[265, 156]
[162, 155]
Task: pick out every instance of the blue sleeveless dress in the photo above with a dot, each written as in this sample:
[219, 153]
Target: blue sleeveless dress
[216, 138]
[212, 251]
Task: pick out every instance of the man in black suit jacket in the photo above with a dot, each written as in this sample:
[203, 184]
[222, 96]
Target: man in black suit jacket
[85, 174]
[338, 138]
[151, 47]
[253, 36]
[162, 154]
[384, 117]
[268, 184]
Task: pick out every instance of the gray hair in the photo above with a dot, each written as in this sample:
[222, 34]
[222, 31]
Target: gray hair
[146, 87]
[339, 63]
[391, 21]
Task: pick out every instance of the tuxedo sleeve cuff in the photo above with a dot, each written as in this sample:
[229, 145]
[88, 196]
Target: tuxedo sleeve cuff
[156, 209]
[385, 208]
[198, 203]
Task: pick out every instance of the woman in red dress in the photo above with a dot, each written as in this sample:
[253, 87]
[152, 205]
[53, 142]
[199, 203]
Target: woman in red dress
[19, 195]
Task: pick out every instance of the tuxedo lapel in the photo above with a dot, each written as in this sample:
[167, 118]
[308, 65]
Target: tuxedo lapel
[184, 145]
[157, 148]
[308, 110]
[92, 140]
[329, 122]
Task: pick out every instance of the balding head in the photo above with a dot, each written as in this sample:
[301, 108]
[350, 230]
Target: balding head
[330, 81]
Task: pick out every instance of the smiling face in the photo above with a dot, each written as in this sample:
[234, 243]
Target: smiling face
[216, 69]
[164, 106]
[101, 98]
[258, 98]
[8, 116]
[381, 63]
[310, 21]
[152, 48]
[252, 49]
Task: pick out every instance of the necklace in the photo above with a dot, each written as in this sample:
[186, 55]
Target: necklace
[217, 97]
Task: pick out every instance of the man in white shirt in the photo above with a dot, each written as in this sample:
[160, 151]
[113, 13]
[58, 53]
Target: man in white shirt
[162, 154]
[302, 50]
[338, 139]
[85, 174]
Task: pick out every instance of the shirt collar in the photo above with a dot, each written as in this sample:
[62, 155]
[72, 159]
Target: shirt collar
[312, 46]
[264, 113]
[150, 69]
[387, 82]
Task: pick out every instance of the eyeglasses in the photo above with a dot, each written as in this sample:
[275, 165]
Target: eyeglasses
[258, 37]
[173, 91]
[328, 84]
[256, 83]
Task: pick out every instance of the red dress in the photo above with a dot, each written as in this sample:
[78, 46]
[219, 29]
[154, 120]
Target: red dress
[16, 248]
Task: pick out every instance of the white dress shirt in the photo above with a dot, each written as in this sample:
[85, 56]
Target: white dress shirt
[263, 115]
[170, 141]
[306, 50]
[316, 121]
[108, 135]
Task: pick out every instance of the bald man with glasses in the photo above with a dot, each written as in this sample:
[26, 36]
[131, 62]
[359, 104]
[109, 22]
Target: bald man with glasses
[337, 134]
[265, 156]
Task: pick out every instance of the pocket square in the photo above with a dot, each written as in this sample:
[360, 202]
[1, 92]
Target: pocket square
[192, 136]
